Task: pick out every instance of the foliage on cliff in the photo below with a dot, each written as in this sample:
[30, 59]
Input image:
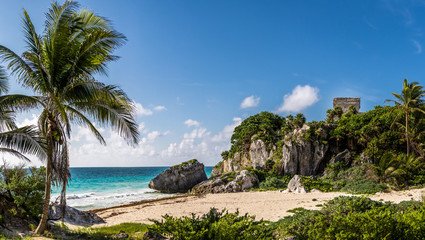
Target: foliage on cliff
[265, 125]
[372, 132]
[21, 193]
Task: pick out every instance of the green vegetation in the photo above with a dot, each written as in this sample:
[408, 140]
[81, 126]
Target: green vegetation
[213, 225]
[185, 163]
[21, 193]
[356, 218]
[133, 230]
[265, 125]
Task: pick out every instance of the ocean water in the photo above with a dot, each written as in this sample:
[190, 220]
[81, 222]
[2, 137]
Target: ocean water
[100, 187]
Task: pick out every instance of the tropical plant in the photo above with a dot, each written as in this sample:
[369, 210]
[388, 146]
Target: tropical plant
[60, 66]
[13, 140]
[409, 101]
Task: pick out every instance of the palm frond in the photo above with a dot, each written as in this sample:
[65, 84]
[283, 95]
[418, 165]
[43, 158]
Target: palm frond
[16, 64]
[80, 119]
[4, 86]
[15, 153]
[19, 102]
[25, 140]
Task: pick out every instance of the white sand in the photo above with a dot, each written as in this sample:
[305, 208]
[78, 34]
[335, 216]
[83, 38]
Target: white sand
[271, 205]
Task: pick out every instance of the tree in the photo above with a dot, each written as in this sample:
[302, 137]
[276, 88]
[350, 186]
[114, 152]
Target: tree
[60, 66]
[409, 101]
[13, 140]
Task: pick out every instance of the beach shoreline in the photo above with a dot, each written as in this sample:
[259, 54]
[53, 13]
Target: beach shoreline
[267, 205]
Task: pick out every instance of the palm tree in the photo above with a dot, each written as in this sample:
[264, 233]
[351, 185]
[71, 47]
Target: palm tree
[60, 66]
[409, 101]
[13, 140]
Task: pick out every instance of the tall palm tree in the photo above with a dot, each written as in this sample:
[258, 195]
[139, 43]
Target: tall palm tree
[13, 140]
[60, 67]
[409, 101]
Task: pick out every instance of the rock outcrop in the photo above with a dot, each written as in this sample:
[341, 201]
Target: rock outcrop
[179, 178]
[344, 157]
[73, 216]
[226, 183]
[300, 155]
[295, 185]
[256, 158]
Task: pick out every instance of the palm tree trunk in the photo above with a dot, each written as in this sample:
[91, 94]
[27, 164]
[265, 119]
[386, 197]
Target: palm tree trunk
[407, 134]
[43, 222]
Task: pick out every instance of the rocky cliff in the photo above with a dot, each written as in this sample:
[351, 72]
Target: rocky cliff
[302, 151]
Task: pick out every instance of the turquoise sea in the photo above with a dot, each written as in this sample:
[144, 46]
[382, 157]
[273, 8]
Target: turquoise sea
[100, 187]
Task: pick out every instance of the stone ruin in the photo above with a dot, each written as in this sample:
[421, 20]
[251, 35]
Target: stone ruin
[346, 102]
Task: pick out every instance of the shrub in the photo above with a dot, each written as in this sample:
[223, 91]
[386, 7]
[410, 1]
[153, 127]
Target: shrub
[272, 183]
[357, 218]
[316, 183]
[212, 225]
[21, 192]
[363, 186]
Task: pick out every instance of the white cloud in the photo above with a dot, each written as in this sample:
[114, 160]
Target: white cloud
[300, 98]
[201, 144]
[192, 123]
[142, 111]
[159, 108]
[418, 46]
[156, 148]
[27, 122]
[250, 101]
[227, 131]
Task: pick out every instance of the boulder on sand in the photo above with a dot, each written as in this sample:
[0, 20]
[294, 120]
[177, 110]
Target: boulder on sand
[179, 178]
[295, 185]
[73, 216]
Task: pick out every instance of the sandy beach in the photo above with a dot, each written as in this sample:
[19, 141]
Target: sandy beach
[271, 205]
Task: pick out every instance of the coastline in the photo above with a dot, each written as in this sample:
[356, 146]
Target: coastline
[269, 205]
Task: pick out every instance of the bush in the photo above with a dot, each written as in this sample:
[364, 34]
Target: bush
[21, 192]
[357, 218]
[355, 180]
[213, 225]
[316, 183]
[363, 186]
[272, 183]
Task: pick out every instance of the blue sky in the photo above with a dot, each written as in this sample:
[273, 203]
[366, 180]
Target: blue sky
[197, 68]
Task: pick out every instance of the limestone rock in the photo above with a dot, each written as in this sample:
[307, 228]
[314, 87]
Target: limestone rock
[179, 178]
[301, 156]
[259, 154]
[73, 216]
[256, 157]
[295, 185]
[344, 157]
[226, 183]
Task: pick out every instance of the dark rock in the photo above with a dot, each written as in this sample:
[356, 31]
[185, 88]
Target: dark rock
[73, 216]
[179, 178]
[344, 157]
[226, 183]
[153, 236]
[120, 235]
[295, 185]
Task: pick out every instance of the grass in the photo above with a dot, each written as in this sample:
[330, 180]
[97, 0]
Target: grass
[134, 231]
